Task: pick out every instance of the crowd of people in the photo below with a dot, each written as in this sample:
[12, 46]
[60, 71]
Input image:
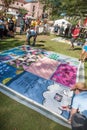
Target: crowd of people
[8, 25]
[28, 26]
[66, 29]
[74, 33]
[31, 28]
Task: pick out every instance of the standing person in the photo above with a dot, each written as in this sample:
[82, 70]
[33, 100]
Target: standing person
[45, 28]
[61, 33]
[11, 27]
[83, 55]
[26, 24]
[1, 28]
[31, 33]
[78, 111]
[21, 25]
[67, 30]
[70, 31]
[14, 20]
[75, 34]
[56, 28]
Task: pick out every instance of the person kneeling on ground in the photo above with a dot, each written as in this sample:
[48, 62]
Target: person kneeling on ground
[78, 111]
[31, 33]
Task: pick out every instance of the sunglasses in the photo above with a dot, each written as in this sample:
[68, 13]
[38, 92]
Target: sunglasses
[78, 89]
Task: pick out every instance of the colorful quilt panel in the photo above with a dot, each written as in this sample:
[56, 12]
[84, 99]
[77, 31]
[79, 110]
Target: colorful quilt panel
[7, 72]
[43, 67]
[65, 74]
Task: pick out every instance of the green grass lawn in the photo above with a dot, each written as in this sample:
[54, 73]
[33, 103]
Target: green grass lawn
[15, 116]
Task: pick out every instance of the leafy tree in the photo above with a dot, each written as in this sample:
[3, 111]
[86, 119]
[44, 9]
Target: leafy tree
[74, 7]
[51, 5]
[71, 8]
[22, 11]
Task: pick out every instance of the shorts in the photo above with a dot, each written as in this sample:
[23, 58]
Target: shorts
[78, 122]
[30, 36]
[85, 48]
[73, 40]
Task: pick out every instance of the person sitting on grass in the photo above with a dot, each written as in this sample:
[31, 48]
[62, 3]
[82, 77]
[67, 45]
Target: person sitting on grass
[31, 33]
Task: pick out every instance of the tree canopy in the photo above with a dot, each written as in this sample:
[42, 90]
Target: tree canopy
[70, 8]
[75, 7]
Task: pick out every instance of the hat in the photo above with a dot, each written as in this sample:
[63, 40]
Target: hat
[79, 86]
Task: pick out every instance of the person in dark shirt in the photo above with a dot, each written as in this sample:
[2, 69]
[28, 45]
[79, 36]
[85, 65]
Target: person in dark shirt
[11, 27]
[31, 33]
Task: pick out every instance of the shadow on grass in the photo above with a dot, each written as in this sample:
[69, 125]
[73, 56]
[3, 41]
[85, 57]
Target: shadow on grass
[39, 45]
[77, 48]
[85, 77]
[10, 43]
[42, 41]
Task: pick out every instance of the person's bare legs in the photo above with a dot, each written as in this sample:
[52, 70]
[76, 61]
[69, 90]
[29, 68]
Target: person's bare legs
[82, 54]
[72, 43]
[85, 56]
[34, 40]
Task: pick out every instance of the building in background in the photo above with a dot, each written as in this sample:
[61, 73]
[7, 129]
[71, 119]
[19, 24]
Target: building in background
[35, 8]
[14, 7]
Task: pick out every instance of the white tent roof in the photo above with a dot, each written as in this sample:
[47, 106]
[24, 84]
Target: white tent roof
[12, 13]
[60, 21]
[29, 16]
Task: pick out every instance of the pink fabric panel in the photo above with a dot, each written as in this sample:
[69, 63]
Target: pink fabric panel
[44, 67]
[65, 74]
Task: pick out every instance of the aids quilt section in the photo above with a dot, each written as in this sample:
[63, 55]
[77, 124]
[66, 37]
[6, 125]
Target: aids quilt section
[42, 76]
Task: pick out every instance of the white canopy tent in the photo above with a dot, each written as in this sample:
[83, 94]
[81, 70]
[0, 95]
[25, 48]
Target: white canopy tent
[13, 13]
[29, 16]
[61, 21]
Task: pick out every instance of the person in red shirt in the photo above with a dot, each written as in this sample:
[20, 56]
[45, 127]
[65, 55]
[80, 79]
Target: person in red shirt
[75, 34]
